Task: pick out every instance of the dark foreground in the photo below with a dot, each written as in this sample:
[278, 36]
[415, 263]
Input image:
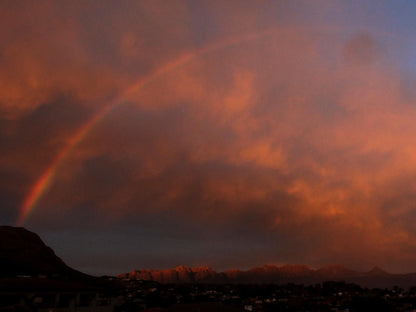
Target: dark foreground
[34, 279]
[328, 296]
[43, 295]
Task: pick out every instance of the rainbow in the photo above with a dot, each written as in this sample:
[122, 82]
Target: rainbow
[46, 179]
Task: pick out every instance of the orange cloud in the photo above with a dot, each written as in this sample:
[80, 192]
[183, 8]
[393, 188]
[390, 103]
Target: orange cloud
[285, 132]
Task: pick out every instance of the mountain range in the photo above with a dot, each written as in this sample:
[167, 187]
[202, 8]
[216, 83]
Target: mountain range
[23, 253]
[300, 274]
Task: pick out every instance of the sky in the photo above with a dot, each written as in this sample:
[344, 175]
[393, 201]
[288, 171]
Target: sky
[229, 134]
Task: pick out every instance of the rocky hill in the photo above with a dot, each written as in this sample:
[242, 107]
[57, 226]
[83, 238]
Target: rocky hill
[300, 274]
[23, 253]
[181, 274]
[27, 264]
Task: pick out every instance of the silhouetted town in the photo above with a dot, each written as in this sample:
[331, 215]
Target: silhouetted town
[138, 295]
[328, 296]
[34, 279]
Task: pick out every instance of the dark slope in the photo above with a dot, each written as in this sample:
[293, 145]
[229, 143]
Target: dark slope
[27, 263]
[23, 253]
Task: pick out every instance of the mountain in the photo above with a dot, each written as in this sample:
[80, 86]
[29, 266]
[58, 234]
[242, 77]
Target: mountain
[27, 264]
[180, 274]
[376, 271]
[23, 253]
[299, 274]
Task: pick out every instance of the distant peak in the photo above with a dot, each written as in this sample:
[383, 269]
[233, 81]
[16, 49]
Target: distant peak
[377, 271]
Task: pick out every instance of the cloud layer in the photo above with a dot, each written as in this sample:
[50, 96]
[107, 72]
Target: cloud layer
[285, 137]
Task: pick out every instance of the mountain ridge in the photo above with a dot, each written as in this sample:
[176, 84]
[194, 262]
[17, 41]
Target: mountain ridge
[23, 253]
[289, 273]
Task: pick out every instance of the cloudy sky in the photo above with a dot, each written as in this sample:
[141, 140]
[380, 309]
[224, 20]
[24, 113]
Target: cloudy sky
[149, 134]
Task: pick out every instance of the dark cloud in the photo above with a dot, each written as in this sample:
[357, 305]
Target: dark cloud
[239, 134]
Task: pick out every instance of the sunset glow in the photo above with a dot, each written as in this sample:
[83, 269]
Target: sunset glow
[211, 133]
[46, 178]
